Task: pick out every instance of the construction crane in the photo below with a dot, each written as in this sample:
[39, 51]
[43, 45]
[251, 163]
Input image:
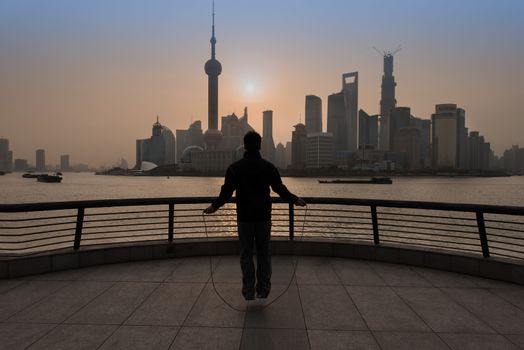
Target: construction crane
[387, 53]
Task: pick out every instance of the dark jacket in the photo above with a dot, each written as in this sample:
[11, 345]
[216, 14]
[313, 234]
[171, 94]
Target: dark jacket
[251, 178]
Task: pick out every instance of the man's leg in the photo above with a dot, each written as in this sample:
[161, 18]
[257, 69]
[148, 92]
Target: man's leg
[246, 235]
[262, 238]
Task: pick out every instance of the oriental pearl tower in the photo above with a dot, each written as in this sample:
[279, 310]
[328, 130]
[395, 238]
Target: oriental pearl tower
[213, 68]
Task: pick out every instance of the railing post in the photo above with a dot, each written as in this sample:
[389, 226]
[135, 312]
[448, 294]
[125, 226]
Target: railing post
[482, 234]
[78, 230]
[291, 221]
[374, 221]
[171, 222]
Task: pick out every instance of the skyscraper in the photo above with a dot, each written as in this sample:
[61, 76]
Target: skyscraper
[367, 129]
[6, 160]
[447, 134]
[158, 149]
[268, 145]
[387, 101]
[313, 114]
[213, 68]
[319, 150]
[336, 121]
[298, 147]
[399, 117]
[40, 160]
[350, 91]
[280, 156]
[64, 162]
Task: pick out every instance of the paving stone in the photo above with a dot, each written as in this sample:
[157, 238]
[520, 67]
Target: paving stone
[210, 311]
[275, 339]
[493, 310]
[192, 270]
[207, 338]
[513, 295]
[517, 339]
[153, 271]
[329, 307]
[228, 270]
[383, 309]
[18, 298]
[399, 275]
[168, 305]
[20, 335]
[342, 340]
[58, 306]
[478, 341]
[74, 337]
[356, 273]
[316, 271]
[439, 278]
[282, 267]
[286, 312]
[440, 312]
[115, 304]
[409, 341]
[6, 285]
[141, 338]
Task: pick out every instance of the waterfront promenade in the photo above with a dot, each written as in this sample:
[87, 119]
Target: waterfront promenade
[333, 303]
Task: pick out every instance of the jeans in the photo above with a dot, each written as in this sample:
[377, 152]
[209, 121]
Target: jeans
[250, 234]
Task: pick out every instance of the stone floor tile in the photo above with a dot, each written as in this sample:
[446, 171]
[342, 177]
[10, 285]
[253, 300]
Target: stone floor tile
[6, 285]
[384, 310]
[20, 335]
[342, 340]
[329, 307]
[207, 338]
[316, 271]
[210, 311]
[25, 294]
[141, 338]
[357, 273]
[512, 295]
[440, 312]
[477, 341]
[283, 267]
[445, 279]
[192, 270]
[60, 305]
[114, 305]
[149, 271]
[286, 312]
[168, 305]
[517, 339]
[409, 341]
[399, 275]
[227, 270]
[274, 339]
[76, 337]
[493, 310]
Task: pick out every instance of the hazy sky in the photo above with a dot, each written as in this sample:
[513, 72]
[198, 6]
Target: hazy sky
[88, 77]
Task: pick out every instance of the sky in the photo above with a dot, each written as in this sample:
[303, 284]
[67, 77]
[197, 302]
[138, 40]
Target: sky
[88, 77]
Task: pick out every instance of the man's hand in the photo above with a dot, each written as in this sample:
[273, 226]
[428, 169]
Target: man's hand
[300, 202]
[209, 210]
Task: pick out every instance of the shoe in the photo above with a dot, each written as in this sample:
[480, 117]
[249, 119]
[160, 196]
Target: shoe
[261, 295]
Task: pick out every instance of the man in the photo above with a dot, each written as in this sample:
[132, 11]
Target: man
[251, 177]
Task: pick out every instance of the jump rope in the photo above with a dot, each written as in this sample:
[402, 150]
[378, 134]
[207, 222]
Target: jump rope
[295, 264]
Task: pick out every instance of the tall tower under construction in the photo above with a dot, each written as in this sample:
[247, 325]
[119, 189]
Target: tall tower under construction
[387, 100]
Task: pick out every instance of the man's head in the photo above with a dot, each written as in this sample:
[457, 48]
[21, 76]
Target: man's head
[252, 141]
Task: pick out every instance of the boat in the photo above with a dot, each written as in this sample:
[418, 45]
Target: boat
[49, 178]
[31, 175]
[373, 180]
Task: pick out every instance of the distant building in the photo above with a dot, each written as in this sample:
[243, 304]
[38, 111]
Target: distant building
[280, 156]
[233, 130]
[408, 143]
[448, 137]
[479, 152]
[513, 159]
[387, 101]
[64, 163]
[40, 160]
[313, 114]
[424, 126]
[299, 147]
[319, 150]
[289, 154]
[6, 156]
[21, 165]
[368, 129]
[268, 145]
[399, 117]
[158, 149]
[336, 121]
[193, 136]
[213, 160]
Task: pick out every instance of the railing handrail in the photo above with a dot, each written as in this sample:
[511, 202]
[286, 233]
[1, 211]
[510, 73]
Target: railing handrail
[100, 203]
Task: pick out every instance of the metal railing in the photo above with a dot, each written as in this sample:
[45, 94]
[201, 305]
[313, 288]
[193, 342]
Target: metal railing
[484, 230]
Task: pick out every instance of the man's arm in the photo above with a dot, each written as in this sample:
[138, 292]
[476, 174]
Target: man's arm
[226, 192]
[282, 191]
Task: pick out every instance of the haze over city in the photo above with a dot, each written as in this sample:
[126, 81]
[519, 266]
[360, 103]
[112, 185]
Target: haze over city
[89, 78]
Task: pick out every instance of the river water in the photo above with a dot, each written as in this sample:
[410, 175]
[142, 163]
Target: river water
[86, 186]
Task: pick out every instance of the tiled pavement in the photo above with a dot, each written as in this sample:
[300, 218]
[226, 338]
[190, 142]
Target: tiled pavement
[332, 304]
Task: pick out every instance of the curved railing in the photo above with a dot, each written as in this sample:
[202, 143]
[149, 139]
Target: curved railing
[483, 230]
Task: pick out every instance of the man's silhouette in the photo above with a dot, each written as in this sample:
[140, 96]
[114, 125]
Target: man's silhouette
[251, 177]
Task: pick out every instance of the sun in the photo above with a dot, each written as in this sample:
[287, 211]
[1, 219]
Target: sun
[249, 88]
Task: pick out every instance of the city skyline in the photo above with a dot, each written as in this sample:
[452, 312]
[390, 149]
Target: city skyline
[69, 107]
